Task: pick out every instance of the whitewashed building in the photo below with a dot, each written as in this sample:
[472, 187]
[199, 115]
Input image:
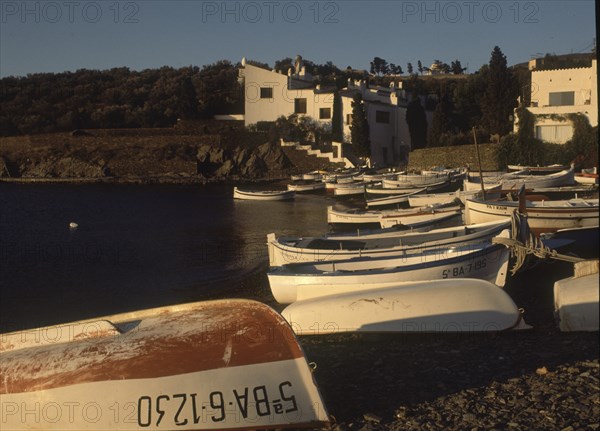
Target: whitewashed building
[386, 115]
[270, 94]
[555, 94]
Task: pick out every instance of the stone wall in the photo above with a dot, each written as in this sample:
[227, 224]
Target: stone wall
[454, 157]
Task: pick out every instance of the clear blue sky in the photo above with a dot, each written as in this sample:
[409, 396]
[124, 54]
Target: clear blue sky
[55, 36]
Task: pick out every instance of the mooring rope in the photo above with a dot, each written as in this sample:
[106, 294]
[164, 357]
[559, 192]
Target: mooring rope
[523, 243]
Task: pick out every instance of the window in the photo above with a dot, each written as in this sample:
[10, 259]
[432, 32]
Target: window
[382, 117]
[562, 98]
[266, 92]
[324, 113]
[348, 118]
[300, 106]
[558, 134]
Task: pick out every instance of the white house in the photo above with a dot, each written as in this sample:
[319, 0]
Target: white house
[270, 94]
[557, 93]
[386, 115]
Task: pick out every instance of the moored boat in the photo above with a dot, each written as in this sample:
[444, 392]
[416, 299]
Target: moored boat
[295, 282]
[285, 250]
[347, 189]
[550, 169]
[207, 365]
[427, 214]
[587, 176]
[306, 186]
[388, 218]
[438, 306]
[263, 195]
[414, 180]
[514, 180]
[422, 199]
[542, 216]
[393, 199]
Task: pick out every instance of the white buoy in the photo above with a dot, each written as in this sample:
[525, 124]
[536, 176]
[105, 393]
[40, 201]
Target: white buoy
[73, 225]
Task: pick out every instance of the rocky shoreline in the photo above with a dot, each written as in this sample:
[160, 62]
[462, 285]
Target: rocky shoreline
[120, 157]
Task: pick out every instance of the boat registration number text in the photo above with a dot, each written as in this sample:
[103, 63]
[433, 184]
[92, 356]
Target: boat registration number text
[243, 404]
[459, 271]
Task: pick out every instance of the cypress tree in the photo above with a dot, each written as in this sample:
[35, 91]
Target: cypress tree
[500, 96]
[440, 124]
[417, 123]
[359, 129]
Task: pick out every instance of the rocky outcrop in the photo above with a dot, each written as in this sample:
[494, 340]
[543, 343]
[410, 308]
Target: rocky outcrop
[142, 158]
[62, 167]
[260, 162]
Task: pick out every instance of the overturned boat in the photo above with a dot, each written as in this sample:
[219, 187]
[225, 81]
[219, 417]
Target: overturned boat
[576, 299]
[228, 364]
[432, 306]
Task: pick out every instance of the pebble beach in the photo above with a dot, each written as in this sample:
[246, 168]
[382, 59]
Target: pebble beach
[534, 379]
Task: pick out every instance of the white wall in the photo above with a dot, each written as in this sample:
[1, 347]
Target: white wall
[282, 103]
[582, 81]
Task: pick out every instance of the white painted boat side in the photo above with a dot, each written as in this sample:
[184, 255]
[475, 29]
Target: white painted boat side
[542, 216]
[208, 365]
[576, 301]
[432, 306]
[263, 195]
[419, 200]
[394, 199]
[414, 180]
[388, 218]
[304, 187]
[289, 285]
[283, 251]
[349, 189]
[433, 215]
[514, 180]
[586, 179]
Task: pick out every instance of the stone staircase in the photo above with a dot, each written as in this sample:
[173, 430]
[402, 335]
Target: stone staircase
[306, 159]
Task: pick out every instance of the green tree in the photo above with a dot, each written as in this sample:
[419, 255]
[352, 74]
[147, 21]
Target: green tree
[457, 68]
[466, 100]
[420, 67]
[188, 102]
[359, 128]
[499, 99]
[417, 123]
[409, 68]
[582, 148]
[440, 123]
[337, 133]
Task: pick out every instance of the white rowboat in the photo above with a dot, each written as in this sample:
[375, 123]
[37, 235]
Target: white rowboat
[306, 186]
[207, 365]
[542, 216]
[295, 282]
[576, 299]
[514, 180]
[263, 195]
[285, 250]
[433, 306]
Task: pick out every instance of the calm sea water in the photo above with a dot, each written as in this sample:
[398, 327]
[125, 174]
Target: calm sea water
[135, 247]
